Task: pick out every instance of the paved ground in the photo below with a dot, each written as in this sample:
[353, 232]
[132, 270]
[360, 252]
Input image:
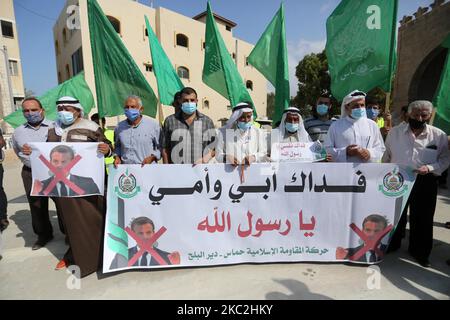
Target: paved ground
[27, 274]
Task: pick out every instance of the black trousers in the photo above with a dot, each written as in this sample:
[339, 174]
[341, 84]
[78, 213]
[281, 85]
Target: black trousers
[40, 219]
[3, 199]
[422, 204]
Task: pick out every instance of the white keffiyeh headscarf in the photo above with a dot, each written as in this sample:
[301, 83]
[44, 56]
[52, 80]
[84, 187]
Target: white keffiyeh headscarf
[352, 96]
[302, 134]
[67, 101]
[238, 110]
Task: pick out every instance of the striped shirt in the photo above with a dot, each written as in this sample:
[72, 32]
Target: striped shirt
[188, 142]
[317, 128]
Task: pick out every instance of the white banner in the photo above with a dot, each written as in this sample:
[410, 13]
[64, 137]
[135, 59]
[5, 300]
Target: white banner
[167, 215]
[67, 169]
[298, 151]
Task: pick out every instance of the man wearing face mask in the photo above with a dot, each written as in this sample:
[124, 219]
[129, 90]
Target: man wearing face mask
[373, 113]
[424, 148]
[34, 130]
[137, 139]
[188, 135]
[354, 138]
[239, 142]
[318, 125]
[291, 129]
[83, 217]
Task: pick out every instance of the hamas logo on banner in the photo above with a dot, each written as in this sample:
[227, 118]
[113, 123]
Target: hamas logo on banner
[127, 188]
[393, 184]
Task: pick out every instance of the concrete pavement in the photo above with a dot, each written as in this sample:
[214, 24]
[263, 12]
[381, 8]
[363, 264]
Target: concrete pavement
[27, 274]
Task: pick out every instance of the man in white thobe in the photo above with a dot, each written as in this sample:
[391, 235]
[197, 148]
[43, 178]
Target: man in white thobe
[354, 137]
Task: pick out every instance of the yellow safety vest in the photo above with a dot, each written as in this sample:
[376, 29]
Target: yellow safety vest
[109, 134]
[380, 122]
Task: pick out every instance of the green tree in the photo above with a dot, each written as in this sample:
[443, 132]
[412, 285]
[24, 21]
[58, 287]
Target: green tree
[314, 80]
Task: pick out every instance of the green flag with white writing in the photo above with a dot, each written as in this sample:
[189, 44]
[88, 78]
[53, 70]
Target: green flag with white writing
[361, 45]
[269, 56]
[219, 71]
[442, 97]
[75, 87]
[168, 81]
[116, 74]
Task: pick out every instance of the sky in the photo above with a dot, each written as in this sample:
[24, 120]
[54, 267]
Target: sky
[305, 29]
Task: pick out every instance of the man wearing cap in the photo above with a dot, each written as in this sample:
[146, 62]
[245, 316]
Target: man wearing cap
[239, 142]
[354, 138]
[35, 129]
[83, 217]
[137, 138]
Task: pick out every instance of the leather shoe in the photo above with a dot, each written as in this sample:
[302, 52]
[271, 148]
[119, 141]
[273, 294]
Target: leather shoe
[41, 243]
[424, 263]
[61, 265]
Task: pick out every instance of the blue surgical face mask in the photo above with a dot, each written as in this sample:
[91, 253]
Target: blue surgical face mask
[359, 113]
[34, 117]
[132, 114]
[291, 127]
[66, 117]
[322, 109]
[372, 113]
[244, 125]
[189, 107]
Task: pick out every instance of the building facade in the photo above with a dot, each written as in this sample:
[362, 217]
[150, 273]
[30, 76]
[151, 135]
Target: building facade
[11, 77]
[181, 37]
[421, 57]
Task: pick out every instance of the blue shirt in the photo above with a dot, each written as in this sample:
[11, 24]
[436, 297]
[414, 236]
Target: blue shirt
[25, 134]
[135, 143]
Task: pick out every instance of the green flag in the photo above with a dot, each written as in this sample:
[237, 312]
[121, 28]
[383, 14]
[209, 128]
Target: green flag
[442, 97]
[269, 57]
[168, 81]
[116, 74]
[219, 71]
[361, 45]
[75, 87]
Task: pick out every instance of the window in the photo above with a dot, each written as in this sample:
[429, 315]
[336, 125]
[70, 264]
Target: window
[228, 107]
[67, 72]
[182, 40]
[148, 67]
[228, 28]
[77, 61]
[183, 72]
[7, 29]
[206, 104]
[234, 56]
[204, 45]
[64, 35]
[249, 85]
[246, 61]
[146, 32]
[17, 103]
[115, 23]
[13, 68]
[57, 47]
